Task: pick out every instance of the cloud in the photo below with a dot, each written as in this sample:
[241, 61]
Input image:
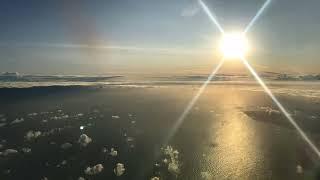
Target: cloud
[9, 152]
[119, 169]
[155, 178]
[173, 160]
[84, 140]
[16, 121]
[31, 135]
[113, 152]
[26, 150]
[93, 170]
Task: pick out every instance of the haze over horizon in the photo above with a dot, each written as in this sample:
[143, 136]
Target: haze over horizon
[140, 36]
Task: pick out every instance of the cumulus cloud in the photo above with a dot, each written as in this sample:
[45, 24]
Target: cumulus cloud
[33, 114]
[113, 152]
[31, 135]
[115, 117]
[16, 121]
[155, 178]
[119, 169]
[299, 169]
[84, 140]
[80, 115]
[26, 150]
[8, 152]
[172, 159]
[2, 124]
[93, 170]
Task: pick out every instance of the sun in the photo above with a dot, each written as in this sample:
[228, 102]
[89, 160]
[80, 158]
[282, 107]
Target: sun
[234, 45]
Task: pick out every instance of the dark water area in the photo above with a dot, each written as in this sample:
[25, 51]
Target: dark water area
[232, 132]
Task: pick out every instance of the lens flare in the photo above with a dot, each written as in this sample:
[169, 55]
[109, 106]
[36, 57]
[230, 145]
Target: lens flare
[192, 102]
[234, 45]
[211, 15]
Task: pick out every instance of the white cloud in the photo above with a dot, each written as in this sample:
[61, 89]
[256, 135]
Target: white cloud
[155, 178]
[115, 117]
[93, 170]
[84, 140]
[26, 150]
[33, 114]
[173, 160]
[299, 169]
[31, 135]
[9, 152]
[17, 121]
[113, 152]
[119, 169]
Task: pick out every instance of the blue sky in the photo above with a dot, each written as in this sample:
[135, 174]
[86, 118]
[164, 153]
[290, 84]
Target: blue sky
[151, 36]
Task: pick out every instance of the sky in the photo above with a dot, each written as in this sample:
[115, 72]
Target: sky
[152, 36]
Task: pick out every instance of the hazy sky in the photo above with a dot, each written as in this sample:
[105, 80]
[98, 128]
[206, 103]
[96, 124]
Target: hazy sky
[169, 36]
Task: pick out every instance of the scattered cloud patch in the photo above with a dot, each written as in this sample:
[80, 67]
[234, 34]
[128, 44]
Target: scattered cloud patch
[33, 114]
[155, 178]
[113, 152]
[119, 169]
[84, 140]
[26, 150]
[299, 169]
[80, 115]
[32, 135]
[16, 121]
[93, 170]
[115, 117]
[172, 159]
[8, 152]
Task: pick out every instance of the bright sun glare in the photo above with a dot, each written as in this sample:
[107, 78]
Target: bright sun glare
[234, 45]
